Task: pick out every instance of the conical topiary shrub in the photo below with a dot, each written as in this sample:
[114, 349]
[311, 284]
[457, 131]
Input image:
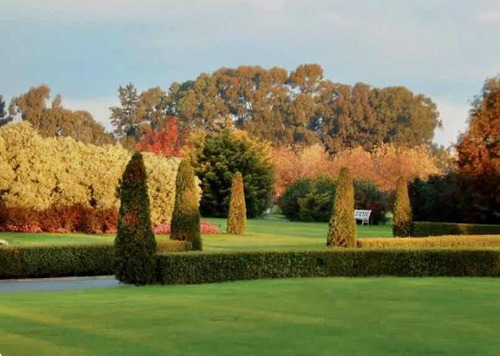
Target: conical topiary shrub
[342, 227]
[186, 215]
[237, 217]
[135, 243]
[402, 222]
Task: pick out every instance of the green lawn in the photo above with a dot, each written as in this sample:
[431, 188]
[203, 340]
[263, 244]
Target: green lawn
[324, 316]
[261, 234]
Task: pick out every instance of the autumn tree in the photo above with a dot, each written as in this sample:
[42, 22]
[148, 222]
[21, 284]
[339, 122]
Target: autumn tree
[342, 227]
[402, 222]
[167, 141]
[479, 154]
[237, 216]
[135, 243]
[57, 121]
[186, 215]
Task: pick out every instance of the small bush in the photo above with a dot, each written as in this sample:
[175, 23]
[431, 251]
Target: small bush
[186, 215]
[237, 216]
[135, 244]
[342, 227]
[473, 241]
[194, 268]
[423, 229]
[402, 210]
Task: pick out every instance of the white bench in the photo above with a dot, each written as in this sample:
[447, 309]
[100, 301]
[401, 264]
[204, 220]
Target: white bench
[363, 215]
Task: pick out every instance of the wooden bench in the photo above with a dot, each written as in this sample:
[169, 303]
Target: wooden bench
[363, 215]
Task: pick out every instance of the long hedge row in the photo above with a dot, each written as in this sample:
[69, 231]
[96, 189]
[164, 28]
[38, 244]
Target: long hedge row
[424, 229]
[194, 268]
[67, 260]
[202, 267]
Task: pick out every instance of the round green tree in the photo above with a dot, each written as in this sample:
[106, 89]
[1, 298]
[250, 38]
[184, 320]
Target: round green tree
[186, 215]
[216, 157]
[402, 222]
[237, 217]
[135, 243]
[342, 227]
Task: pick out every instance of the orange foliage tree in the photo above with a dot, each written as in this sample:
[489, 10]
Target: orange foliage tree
[382, 166]
[167, 141]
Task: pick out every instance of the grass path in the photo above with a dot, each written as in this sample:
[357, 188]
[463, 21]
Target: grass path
[261, 234]
[375, 316]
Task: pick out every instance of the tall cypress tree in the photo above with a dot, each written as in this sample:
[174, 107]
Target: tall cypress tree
[402, 222]
[186, 215]
[135, 243]
[342, 228]
[237, 217]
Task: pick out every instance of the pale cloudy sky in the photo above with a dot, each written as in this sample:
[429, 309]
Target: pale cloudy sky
[85, 49]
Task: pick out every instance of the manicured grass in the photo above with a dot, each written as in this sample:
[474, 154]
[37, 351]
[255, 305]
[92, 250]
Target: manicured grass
[329, 316]
[261, 234]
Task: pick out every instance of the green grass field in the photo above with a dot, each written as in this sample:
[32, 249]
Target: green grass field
[261, 234]
[329, 316]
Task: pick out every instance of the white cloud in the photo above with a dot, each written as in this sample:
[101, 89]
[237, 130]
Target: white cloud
[98, 107]
[454, 117]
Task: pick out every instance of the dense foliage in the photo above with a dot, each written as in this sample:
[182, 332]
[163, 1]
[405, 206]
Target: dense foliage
[40, 173]
[402, 222]
[217, 157]
[312, 200]
[135, 244]
[423, 229]
[440, 198]
[192, 268]
[342, 227]
[237, 216]
[186, 215]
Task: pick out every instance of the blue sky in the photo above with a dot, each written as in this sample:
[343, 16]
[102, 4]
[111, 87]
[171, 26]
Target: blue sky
[85, 49]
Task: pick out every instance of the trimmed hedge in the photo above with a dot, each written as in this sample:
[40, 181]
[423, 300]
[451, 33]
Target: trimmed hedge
[194, 268]
[66, 260]
[474, 241]
[56, 261]
[424, 229]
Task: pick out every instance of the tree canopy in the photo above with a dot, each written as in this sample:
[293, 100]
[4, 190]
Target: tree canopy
[284, 108]
[57, 121]
[303, 107]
